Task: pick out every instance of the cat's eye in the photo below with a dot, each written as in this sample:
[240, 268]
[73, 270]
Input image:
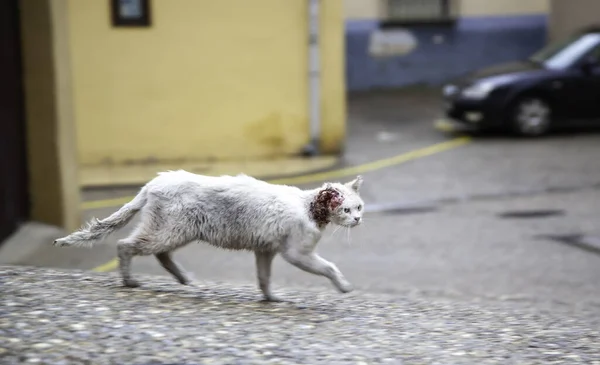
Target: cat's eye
[346, 210]
[359, 207]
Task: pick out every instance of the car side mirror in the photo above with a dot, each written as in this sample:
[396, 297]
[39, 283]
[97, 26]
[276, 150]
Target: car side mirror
[589, 63]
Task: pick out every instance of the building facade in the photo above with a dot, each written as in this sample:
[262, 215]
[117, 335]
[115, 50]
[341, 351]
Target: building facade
[567, 17]
[394, 43]
[207, 81]
[107, 84]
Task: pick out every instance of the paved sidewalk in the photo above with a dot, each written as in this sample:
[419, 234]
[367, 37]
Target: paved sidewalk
[71, 317]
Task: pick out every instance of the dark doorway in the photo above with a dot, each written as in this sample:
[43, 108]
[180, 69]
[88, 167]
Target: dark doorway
[13, 178]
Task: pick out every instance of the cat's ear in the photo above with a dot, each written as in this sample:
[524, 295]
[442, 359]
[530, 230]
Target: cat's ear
[355, 184]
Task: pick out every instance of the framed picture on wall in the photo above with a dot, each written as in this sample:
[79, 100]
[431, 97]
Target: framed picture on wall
[130, 13]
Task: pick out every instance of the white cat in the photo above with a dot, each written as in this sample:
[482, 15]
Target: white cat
[230, 212]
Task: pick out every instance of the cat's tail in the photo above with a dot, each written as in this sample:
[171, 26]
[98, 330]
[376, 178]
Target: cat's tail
[99, 229]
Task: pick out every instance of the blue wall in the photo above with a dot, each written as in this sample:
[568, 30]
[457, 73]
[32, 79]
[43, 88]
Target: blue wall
[469, 44]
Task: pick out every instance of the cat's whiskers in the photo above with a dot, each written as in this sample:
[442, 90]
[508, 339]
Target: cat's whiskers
[337, 228]
[332, 234]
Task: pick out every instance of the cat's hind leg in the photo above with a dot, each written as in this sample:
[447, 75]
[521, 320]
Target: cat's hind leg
[157, 234]
[126, 251]
[167, 262]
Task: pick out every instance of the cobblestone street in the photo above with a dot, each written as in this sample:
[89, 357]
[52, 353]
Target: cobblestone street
[85, 318]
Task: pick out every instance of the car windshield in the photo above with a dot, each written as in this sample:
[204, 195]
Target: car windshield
[565, 53]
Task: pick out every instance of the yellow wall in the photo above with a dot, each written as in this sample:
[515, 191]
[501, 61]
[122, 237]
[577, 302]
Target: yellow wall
[209, 80]
[374, 9]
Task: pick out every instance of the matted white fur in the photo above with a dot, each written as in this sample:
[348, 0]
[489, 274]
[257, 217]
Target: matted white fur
[230, 212]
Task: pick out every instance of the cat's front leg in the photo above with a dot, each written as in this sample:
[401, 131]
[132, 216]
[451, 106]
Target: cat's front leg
[315, 264]
[264, 261]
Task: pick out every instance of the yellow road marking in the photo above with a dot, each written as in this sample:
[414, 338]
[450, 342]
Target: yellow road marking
[444, 126]
[310, 178]
[111, 265]
[375, 165]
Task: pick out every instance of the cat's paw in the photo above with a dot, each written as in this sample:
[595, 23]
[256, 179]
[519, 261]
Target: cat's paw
[345, 287]
[131, 283]
[185, 281]
[186, 278]
[272, 299]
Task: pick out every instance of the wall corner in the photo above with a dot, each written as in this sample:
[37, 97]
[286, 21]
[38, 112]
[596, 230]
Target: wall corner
[51, 142]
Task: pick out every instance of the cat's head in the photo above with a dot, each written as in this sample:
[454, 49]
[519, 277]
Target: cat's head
[339, 203]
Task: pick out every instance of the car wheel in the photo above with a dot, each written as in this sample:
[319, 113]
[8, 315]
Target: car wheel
[531, 117]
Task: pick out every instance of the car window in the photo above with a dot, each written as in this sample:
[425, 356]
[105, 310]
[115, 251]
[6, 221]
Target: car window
[552, 49]
[595, 53]
[567, 53]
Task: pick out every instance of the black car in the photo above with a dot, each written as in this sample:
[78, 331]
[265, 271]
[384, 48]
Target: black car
[557, 87]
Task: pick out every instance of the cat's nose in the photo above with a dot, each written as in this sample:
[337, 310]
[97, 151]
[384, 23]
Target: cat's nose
[357, 219]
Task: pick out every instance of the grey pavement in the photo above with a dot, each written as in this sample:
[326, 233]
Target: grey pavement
[54, 317]
[463, 247]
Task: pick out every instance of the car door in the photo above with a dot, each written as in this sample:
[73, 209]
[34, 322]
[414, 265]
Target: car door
[591, 84]
[564, 87]
[575, 87]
